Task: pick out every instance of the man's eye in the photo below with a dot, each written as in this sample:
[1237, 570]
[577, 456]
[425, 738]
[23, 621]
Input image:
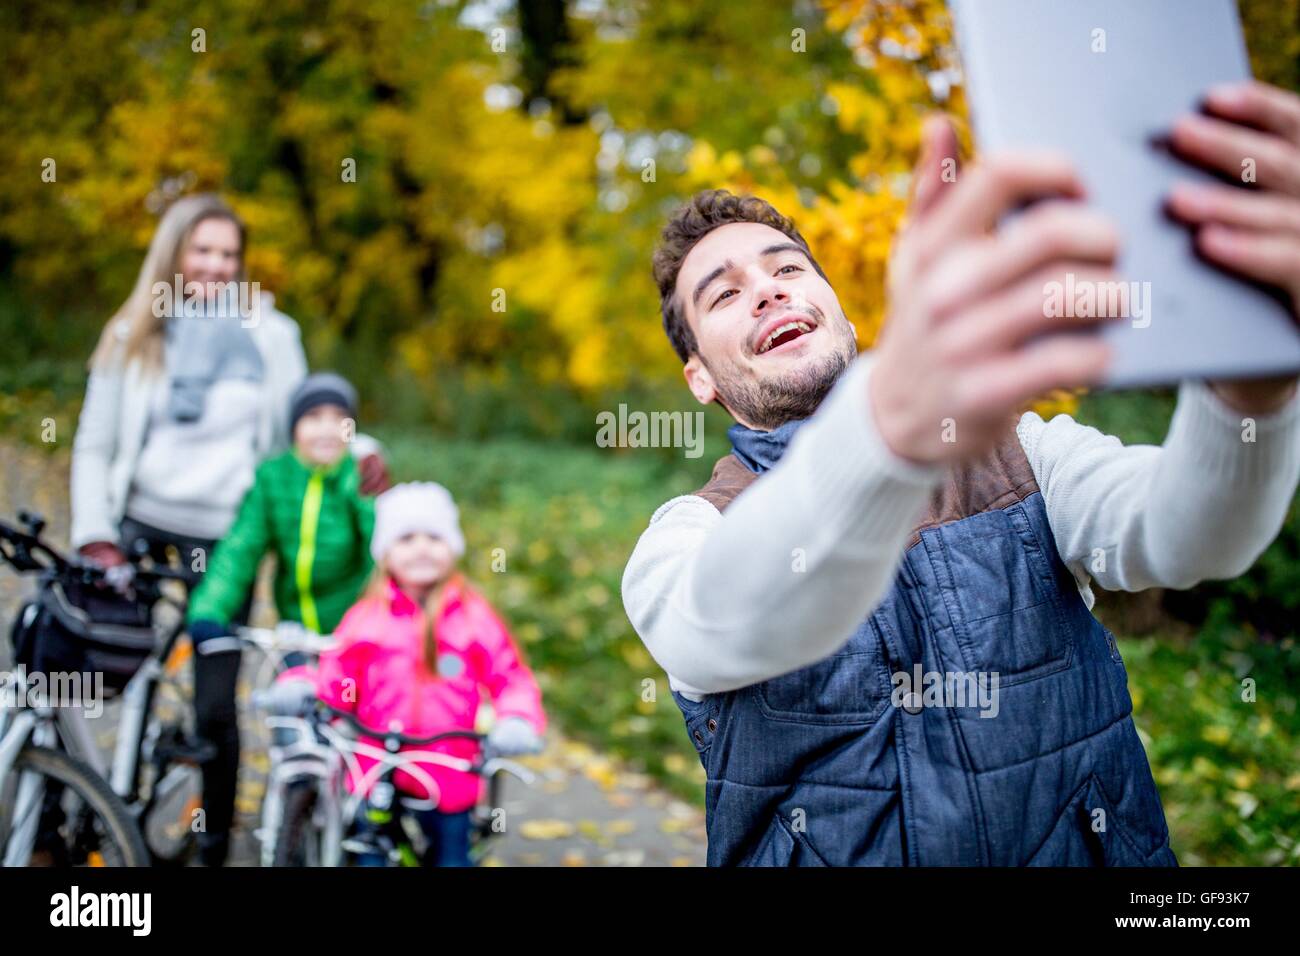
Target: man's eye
[792, 266]
[725, 293]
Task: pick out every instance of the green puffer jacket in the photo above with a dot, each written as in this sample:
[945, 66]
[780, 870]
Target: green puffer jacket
[318, 524]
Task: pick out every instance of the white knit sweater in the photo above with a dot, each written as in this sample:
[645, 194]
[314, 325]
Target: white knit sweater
[720, 605]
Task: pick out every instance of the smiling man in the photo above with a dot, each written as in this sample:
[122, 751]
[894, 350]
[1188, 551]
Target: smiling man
[888, 517]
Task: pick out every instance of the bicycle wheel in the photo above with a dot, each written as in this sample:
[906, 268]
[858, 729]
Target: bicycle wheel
[176, 794]
[68, 815]
[298, 841]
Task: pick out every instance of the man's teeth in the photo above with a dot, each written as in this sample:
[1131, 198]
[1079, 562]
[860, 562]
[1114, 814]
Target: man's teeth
[781, 330]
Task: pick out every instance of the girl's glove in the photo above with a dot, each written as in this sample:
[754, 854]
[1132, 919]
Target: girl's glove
[514, 736]
[292, 697]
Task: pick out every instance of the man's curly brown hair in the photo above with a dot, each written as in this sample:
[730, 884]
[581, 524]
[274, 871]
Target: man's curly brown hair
[705, 212]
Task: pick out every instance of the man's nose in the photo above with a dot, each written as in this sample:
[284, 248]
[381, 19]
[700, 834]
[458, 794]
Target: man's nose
[766, 295]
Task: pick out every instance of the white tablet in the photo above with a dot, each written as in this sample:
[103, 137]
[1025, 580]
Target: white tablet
[1104, 81]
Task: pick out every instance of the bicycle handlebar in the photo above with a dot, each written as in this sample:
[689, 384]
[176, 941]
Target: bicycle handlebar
[22, 551]
[396, 736]
[263, 698]
[279, 639]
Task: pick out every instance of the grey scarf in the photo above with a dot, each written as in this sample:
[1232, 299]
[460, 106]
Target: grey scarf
[202, 346]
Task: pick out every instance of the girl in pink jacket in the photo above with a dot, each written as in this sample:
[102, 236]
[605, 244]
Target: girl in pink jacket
[417, 652]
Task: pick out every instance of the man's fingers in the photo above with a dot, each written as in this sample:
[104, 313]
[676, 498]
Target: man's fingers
[1053, 231]
[1266, 212]
[930, 183]
[1266, 257]
[986, 191]
[1246, 155]
[1259, 105]
[1053, 298]
[936, 168]
[989, 388]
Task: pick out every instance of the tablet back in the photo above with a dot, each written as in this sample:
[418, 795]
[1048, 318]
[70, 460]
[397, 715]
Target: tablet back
[1104, 81]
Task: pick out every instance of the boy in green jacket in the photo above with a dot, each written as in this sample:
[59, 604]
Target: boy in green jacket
[306, 507]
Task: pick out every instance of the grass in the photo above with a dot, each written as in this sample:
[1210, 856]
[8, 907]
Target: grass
[1226, 760]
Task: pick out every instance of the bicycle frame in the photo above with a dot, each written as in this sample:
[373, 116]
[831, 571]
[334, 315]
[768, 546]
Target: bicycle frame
[325, 757]
[133, 745]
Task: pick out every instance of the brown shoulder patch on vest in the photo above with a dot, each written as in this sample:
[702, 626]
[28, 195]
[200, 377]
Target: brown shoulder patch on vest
[729, 479]
[999, 477]
[995, 479]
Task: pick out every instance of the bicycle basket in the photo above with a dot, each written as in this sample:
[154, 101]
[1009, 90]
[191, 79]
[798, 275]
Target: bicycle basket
[76, 628]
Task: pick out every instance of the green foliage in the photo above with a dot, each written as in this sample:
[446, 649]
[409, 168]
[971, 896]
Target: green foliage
[1266, 598]
[479, 169]
[1228, 769]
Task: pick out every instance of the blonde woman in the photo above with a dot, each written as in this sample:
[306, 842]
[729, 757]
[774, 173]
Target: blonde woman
[180, 409]
[184, 399]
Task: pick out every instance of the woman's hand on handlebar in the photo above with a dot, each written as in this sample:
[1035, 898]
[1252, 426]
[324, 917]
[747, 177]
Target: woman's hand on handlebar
[105, 554]
[108, 557]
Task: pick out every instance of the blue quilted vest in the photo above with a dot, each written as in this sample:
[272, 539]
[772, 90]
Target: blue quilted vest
[836, 764]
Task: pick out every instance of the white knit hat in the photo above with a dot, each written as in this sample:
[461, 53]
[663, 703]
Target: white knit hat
[415, 506]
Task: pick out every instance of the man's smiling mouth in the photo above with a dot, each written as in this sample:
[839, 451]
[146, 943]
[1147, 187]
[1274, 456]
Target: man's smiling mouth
[783, 334]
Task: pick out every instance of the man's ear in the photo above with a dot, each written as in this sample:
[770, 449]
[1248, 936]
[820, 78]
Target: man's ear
[699, 381]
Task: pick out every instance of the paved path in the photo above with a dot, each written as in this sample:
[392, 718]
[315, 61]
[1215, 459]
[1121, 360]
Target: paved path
[585, 808]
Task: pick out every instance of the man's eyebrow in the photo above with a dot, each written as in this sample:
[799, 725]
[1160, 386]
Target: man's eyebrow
[785, 247]
[703, 283]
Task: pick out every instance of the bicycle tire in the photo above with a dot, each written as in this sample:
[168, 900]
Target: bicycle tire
[94, 792]
[296, 834]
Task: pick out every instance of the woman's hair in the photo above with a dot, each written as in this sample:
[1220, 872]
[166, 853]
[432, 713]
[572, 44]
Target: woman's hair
[144, 335]
[377, 589]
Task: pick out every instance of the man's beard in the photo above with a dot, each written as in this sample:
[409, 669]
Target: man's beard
[767, 404]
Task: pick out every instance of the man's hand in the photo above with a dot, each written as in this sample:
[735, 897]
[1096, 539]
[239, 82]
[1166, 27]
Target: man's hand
[954, 361]
[1252, 134]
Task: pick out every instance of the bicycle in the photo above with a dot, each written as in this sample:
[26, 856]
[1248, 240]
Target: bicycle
[56, 794]
[156, 764]
[311, 819]
[156, 768]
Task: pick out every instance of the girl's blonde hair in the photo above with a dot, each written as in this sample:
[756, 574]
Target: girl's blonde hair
[144, 336]
[431, 610]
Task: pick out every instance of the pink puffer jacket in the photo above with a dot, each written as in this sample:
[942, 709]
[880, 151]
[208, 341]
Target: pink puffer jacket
[376, 671]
